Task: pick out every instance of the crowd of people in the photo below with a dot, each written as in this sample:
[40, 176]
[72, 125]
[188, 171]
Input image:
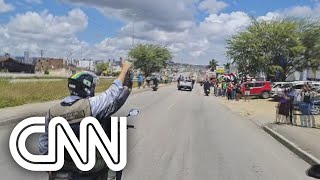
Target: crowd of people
[293, 101]
[231, 89]
[144, 82]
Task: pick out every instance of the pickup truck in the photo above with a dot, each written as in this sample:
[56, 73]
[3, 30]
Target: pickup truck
[187, 84]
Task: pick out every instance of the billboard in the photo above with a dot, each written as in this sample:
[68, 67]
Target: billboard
[220, 70]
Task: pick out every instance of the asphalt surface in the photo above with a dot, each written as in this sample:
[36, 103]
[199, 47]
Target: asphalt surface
[182, 135]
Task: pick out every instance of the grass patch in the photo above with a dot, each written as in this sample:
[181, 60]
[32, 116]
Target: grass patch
[14, 94]
[32, 77]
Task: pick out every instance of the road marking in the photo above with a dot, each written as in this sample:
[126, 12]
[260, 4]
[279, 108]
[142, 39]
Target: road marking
[171, 106]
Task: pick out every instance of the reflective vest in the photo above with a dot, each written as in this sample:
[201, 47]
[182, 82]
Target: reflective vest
[75, 112]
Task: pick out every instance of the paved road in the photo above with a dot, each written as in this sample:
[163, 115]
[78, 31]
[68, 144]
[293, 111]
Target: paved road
[183, 135]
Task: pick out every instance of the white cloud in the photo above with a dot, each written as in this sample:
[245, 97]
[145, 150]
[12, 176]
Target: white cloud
[295, 11]
[34, 1]
[212, 6]
[164, 22]
[57, 36]
[33, 31]
[299, 11]
[166, 15]
[270, 16]
[175, 28]
[4, 7]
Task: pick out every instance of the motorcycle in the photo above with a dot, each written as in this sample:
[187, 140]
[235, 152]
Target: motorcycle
[132, 112]
[100, 175]
[154, 85]
[207, 91]
[206, 87]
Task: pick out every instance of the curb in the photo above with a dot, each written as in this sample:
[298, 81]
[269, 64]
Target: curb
[309, 158]
[16, 119]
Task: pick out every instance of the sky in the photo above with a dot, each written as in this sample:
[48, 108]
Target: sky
[194, 30]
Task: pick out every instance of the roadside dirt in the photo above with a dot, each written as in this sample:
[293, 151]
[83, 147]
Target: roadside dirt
[261, 110]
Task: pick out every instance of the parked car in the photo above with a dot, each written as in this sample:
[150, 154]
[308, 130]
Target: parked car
[258, 88]
[315, 84]
[297, 85]
[277, 88]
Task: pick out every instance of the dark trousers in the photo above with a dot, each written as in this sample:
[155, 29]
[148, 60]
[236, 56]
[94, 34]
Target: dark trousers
[118, 175]
[229, 95]
[291, 106]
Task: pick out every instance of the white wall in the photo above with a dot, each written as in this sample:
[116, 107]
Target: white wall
[298, 76]
[313, 74]
[88, 64]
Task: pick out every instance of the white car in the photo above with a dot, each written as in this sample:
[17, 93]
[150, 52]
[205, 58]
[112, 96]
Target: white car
[297, 85]
[315, 84]
[186, 84]
[277, 88]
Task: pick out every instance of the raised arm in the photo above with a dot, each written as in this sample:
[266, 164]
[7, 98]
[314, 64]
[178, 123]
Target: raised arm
[101, 104]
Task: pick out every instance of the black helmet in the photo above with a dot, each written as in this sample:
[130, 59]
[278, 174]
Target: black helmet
[83, 84]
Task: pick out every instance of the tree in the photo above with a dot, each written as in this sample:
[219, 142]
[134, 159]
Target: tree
[150, 58]
[310, 38]
[213, 64]
[273, 47]
[227, 66]
[102, 66]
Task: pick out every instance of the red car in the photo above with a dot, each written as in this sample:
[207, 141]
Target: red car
[257, 88]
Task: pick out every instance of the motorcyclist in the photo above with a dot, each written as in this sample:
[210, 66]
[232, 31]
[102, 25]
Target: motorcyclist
[206, 85]
[82, 88]
[155, 80]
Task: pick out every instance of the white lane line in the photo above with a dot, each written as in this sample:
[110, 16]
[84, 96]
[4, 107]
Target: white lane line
[171, 106]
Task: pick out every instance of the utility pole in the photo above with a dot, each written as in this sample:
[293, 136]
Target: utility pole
[133, 22]
[41, 53]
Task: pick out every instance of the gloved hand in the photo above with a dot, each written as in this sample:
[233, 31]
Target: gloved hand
[128, 80]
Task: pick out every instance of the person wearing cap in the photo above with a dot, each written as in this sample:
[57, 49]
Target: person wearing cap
[82, 103]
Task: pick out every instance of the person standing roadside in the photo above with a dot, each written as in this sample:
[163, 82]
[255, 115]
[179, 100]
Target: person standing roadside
[247, 92]
[219, 88]
[283, 108]
[233, 91]
[238, 91]
[148, 79]
[307, 117]
[229, 90]
[213, 85]
[224, 88]
[292, 95]
[140, 80]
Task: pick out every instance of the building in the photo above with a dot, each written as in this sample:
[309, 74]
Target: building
[311, 75]
[10, 65]
[115, 66]
[26, 57]
[87, 64]
[49, 63]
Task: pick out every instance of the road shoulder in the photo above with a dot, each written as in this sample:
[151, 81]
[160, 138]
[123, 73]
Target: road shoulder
[299, 140]
[13, 115]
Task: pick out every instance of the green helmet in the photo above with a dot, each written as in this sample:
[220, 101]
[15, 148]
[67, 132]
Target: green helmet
[83, 84]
